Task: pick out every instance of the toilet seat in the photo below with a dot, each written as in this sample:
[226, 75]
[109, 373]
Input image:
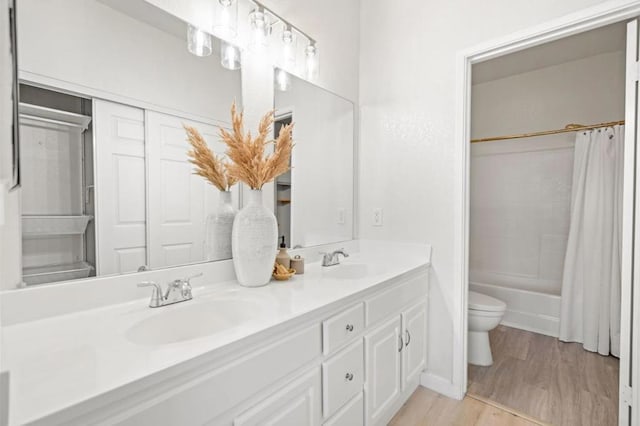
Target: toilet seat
[483, 303]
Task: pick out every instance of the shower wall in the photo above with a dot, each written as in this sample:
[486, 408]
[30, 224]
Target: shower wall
[521, 189]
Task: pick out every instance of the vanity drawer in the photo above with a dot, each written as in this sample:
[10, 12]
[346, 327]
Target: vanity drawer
[390, 302]
[342, 378]
[341, 328]
[352, 414]
[210, 394]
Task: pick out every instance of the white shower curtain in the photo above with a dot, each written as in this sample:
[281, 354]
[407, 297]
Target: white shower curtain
[590, 307]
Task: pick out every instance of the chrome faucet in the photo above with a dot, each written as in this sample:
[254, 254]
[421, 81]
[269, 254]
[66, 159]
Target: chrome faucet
[177, 291]
[333, 258]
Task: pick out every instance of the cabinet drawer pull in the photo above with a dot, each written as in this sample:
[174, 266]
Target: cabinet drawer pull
[408, 338]
[401, 343]
[349, 327]
[349, 376]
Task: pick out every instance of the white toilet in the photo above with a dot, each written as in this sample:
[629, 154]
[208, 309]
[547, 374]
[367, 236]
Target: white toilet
[485, 313]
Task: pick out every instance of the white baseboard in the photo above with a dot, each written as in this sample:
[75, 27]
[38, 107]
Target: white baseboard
[441, 385]
[526, 310]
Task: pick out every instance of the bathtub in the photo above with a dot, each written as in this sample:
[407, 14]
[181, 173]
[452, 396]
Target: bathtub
[527, 310]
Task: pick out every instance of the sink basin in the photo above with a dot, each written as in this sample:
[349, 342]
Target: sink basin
[176, 323]
[346, 271]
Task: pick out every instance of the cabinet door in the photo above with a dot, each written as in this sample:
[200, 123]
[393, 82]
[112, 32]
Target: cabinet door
[383, 352]
[414, 354]
[296, 404]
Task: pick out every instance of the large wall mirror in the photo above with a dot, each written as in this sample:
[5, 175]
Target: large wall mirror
[105, 87]
[315, 201]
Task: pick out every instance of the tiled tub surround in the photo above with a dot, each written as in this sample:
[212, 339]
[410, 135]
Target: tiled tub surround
[78, 366]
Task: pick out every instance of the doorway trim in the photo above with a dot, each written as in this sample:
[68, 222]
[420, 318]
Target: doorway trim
[607, 13]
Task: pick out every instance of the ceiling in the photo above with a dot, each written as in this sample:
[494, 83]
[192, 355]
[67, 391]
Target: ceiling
[595, 42]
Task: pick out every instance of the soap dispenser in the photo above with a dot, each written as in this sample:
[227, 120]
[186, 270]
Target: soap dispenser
[283, 257]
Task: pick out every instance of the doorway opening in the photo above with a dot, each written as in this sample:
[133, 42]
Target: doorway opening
[478, 266]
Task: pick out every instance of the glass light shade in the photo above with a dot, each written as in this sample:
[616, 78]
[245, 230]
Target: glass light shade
[229, 56]
[198, 42]
[225, 19]
[288, 49]
[282, 80]
[259, 28]
[311, 62]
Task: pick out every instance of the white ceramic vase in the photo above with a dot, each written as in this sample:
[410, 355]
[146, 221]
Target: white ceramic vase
[218, 229]
[254, 240]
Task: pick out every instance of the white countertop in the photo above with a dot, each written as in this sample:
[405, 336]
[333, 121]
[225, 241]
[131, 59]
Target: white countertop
[58, 362]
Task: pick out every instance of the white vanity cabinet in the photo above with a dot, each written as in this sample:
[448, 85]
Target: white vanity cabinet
[353, 362]
[373, 366]
[395, 356]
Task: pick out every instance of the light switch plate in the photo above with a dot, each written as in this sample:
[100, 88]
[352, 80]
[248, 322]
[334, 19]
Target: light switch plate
[342, 213]
[377, 217]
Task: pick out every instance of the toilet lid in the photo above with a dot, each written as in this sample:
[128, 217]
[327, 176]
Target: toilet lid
[482, 302]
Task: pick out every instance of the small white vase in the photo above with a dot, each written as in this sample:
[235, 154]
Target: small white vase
[218, 229]
[254, 241]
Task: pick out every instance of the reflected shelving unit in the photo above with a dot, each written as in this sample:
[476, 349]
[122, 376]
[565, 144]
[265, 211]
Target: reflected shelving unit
[57, 186]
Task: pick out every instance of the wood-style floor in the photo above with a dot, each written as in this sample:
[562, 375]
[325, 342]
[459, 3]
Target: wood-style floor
[427, 408]
[558, 383]
[540, 379]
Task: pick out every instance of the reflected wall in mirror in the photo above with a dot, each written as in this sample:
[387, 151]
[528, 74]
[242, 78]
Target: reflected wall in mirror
[315, 201]
[106, 86]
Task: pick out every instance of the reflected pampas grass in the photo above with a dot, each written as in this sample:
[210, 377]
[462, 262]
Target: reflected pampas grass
[248, 161]
[206, 163]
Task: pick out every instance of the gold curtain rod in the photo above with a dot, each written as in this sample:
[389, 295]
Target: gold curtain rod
[568, 128]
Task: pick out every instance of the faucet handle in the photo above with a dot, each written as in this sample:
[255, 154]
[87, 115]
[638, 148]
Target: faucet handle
[188, 279]
[149, 284]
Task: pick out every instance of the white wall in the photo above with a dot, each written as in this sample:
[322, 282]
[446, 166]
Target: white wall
[521, 189]
[407, 108]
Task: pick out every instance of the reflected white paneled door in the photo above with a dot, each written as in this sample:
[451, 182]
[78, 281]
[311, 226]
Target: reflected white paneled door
[119, 187]
[179, 201]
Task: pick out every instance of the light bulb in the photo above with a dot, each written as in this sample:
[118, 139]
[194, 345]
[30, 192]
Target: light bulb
[288, 49]
[225, 23]
[311, 58]
[229, 56]
[283, 80]
[198, 42]
[259, 29]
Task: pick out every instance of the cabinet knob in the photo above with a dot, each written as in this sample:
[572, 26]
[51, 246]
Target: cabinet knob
[349, 327]
[349, 376]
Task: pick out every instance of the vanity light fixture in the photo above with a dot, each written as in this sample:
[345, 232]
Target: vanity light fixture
[225, 19]
[229, 56]
[283, 80]
[311, 61]
[260, 29]
[262, 19]
[288, 48]
[198, 41]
